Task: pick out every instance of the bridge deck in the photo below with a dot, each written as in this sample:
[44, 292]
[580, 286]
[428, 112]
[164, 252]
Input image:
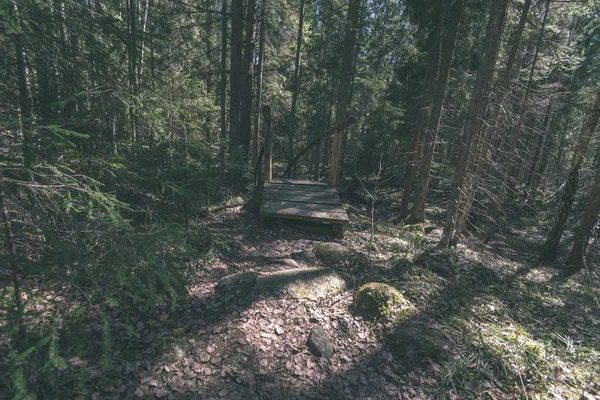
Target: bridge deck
[303, 200]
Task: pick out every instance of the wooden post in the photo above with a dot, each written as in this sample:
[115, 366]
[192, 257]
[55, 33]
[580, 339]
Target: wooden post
[268, 161]
[336, 149]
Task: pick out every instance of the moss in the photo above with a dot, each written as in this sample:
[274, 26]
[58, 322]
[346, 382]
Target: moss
[416, 228]
[378, 300]
[309, 283]
[332, 252]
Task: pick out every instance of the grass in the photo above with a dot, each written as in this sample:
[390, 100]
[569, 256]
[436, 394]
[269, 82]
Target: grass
[512, 331]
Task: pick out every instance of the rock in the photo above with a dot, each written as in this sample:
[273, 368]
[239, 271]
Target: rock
[308, 283]
[345, 327]
[416, 229]
[303, 256]
[291, 263]
[320, 343]
[330, 251]
[336, 255]
[378, 300]
[417, 343]
[238, 284]
[443, 262]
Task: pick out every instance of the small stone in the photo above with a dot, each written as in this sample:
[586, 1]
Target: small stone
[161, 392]
[320, 343]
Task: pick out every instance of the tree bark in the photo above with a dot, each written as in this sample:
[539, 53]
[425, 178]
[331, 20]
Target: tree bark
[292, 127]
[248, 69]
[349, 47]
[132, 47]
[207, 118]
[587, 223]
[259, 80]
[237, 39]
[473, 123]
[24, 104]
[223, 85]
[550, 248]
[439, 92]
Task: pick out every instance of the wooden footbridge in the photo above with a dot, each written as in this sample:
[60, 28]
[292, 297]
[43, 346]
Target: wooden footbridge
[302, 200]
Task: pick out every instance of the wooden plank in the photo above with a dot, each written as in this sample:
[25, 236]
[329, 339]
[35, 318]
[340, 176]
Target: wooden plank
[303, 199]
[310, 188]
[304, 211]
[296, 182]
[320, 193]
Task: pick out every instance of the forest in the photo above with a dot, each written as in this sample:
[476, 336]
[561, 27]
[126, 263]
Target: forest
[457, 141]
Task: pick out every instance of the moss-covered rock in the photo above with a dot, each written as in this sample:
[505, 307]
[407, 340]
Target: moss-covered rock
[415, 229]
[306, 283]
[335, 255]
[378, 300]
[332, 252]
[444, 262]
[239, 284]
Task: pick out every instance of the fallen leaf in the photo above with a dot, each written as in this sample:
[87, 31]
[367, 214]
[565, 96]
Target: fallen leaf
[264, 362]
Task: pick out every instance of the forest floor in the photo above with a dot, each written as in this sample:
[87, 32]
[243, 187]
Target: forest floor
[491, 322]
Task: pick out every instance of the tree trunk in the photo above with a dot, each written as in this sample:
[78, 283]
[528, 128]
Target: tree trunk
[349, 47]
[24, 104]
[237, 39]
[248, 69]
[209, 88]
[132, 47]
[587, 223]
[503, 87]
[223, 85]
[514, 144]
[431, 62]
[473, 123]
[550, 248]
[292, 127]
[418, 210]
[259, 82]
[14, 273]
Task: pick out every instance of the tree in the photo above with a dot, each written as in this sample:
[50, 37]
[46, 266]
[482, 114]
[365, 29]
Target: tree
[473, 123]
[550, 248]
[439, 93]
[501, 92]
[248, 68]
[235, 96]
[346, 72]
[432, 65]
[588, 221]
[296, 85]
